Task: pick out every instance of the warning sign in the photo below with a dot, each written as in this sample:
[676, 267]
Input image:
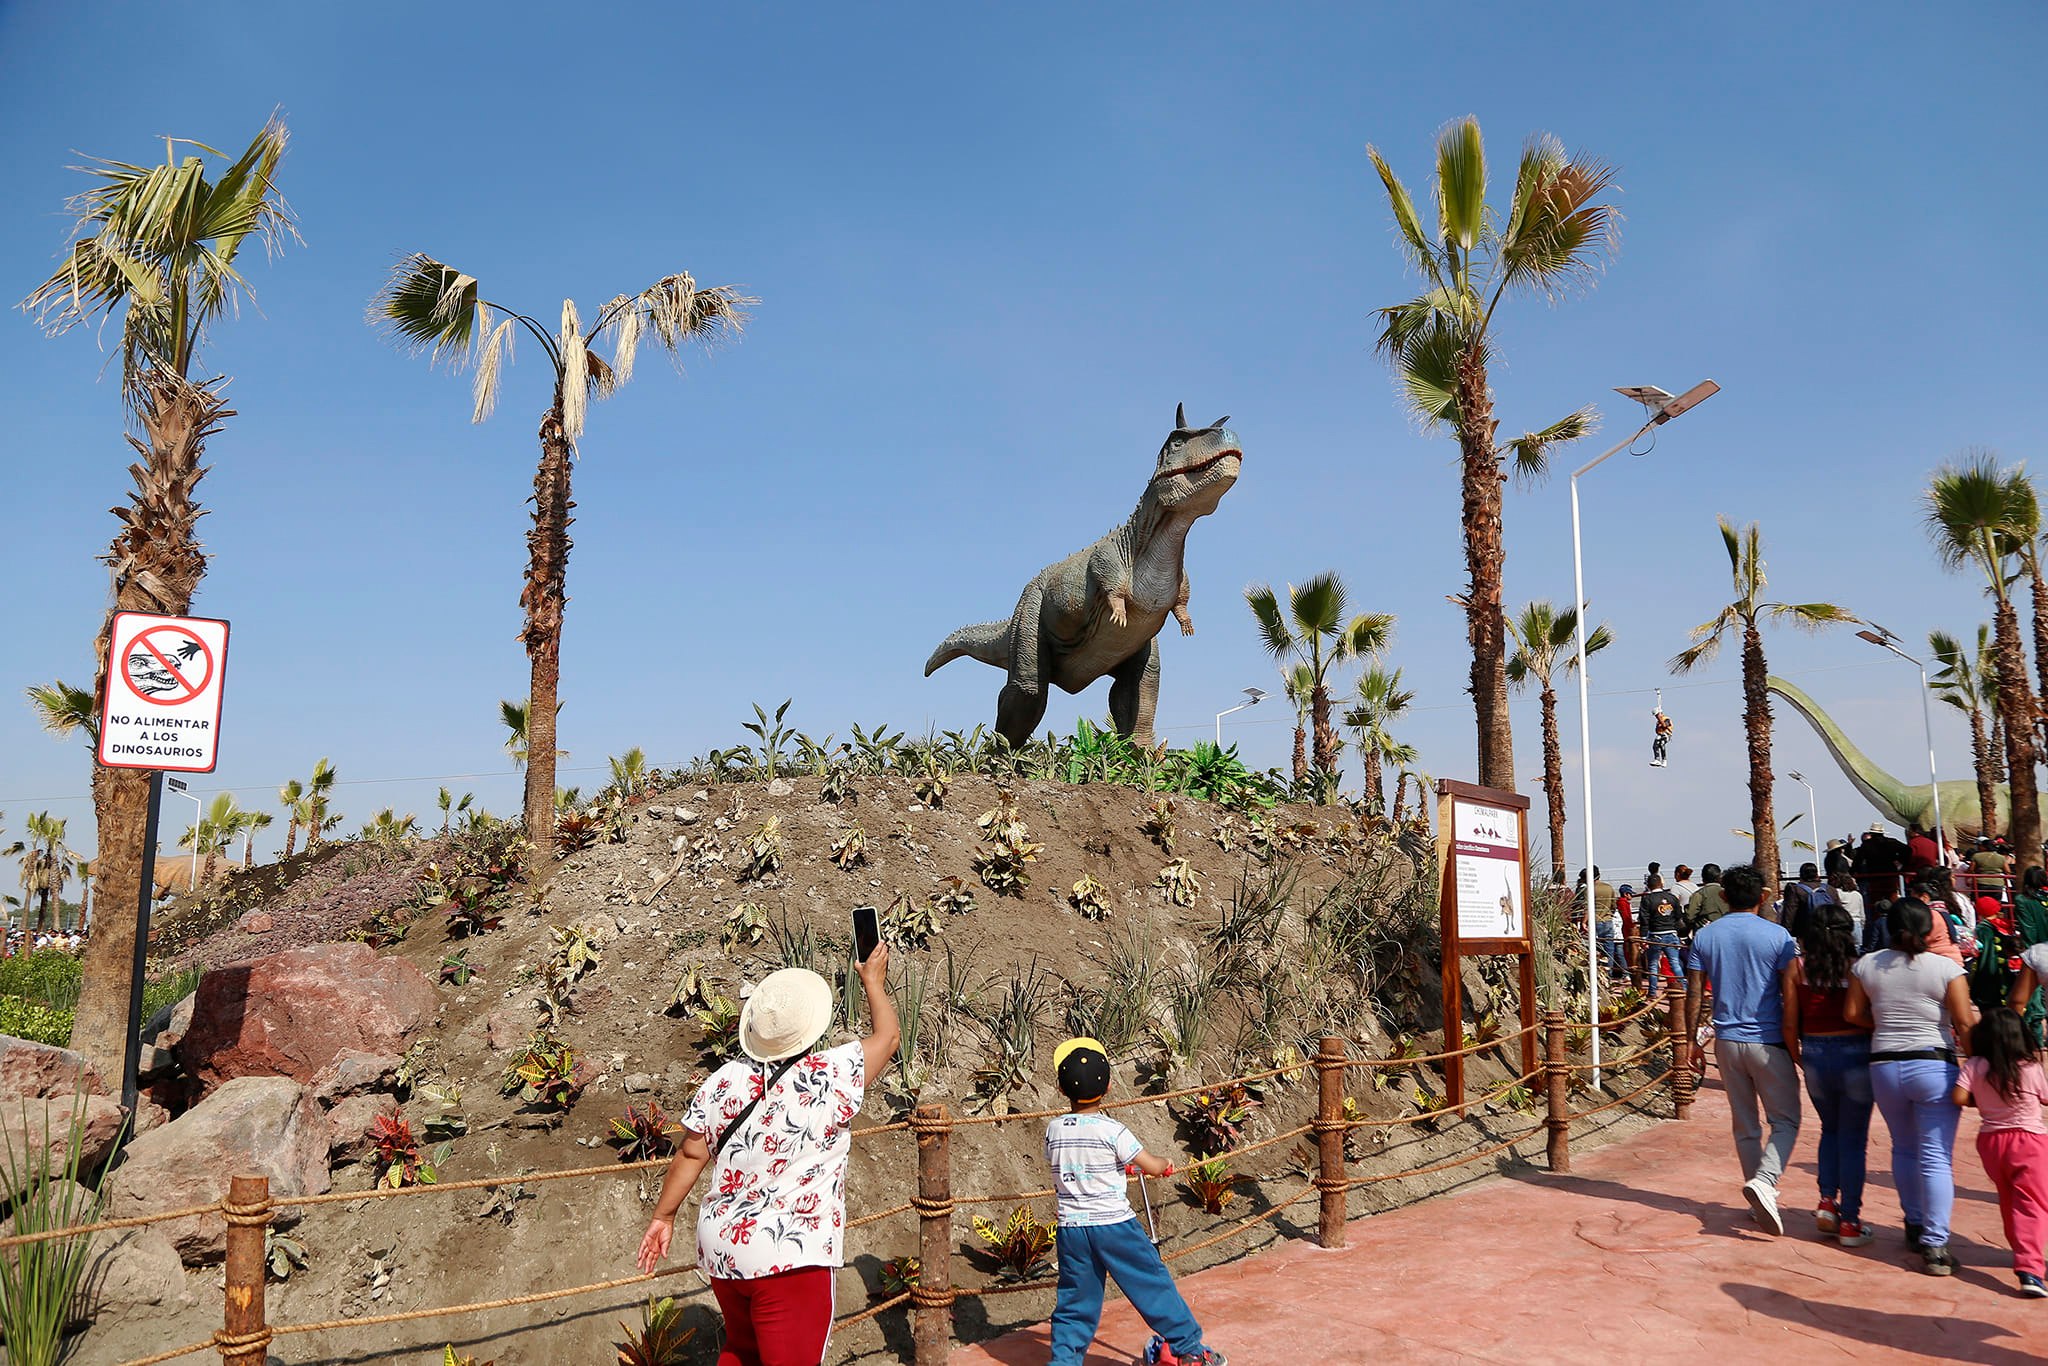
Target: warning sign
[162, 707]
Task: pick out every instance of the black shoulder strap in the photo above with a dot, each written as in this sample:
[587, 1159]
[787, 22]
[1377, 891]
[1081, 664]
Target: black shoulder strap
[743, 1116]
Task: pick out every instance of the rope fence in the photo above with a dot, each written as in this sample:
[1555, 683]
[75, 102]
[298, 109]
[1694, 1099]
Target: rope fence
[248, 1209]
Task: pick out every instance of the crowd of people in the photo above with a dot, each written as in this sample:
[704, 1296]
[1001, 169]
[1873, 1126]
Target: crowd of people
[1895, 977]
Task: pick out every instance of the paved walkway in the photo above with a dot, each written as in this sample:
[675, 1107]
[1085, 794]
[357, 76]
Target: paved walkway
[1644, 1253]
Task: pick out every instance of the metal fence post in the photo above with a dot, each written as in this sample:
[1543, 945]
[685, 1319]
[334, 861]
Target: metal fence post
[1681, 1065]
[1555, 1061]
[1329, 1131]
[931, 1298]
[244, 1339]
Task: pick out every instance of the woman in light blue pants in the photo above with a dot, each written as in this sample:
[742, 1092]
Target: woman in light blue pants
[1918, 1005]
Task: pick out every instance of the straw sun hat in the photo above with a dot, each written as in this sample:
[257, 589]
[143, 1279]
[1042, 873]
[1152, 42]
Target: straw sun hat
[788, 1012]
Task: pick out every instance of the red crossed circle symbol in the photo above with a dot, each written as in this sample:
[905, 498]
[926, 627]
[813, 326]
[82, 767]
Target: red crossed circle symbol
[166, 650]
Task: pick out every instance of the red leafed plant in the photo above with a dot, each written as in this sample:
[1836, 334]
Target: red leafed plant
[399, 1156]
[643, 1134]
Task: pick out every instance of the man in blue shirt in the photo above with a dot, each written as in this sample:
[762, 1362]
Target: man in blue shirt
[1748, 961]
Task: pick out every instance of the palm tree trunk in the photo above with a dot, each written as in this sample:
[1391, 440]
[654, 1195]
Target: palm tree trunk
[248, 851]
[157, 563]
[2040, 620]
[1756, 722]
[1401, 795]
[1326, 734]
[1980, 754]
[1997, 741]
[291, 837]
[1300, 751]
[1375, 790]
[84, 901]
[544, 598]
[2016, 704]
[1485, 559]
[1553, 782]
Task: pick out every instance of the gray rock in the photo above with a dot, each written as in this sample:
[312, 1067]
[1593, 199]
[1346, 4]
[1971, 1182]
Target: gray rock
[129, 1269]
[156, 1064]
[33, 1069]
[349, 1124]
[656, 813]
[250, 1126]
[169, 1024]
[638, 1083]
[354, 1073]
[42, 1124]
[687, 816]
[780, 787]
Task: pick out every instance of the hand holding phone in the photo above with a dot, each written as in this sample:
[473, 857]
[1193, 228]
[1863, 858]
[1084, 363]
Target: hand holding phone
[867, 932]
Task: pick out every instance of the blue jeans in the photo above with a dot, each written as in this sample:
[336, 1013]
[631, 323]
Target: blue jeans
[1087, 1255]
[1609, 933]
[1664, 949]
[1838, 1084]
[1914, 1098]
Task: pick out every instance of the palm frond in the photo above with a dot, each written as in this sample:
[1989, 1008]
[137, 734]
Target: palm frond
[426, 305]
[1808, 616]
[1317, 606]
[575, 371]
[1461, 183]
[1974, 510]
[62, 709]
[1415, 243]
[1706, 641]
[1531, 450]
[1556, 231]
[1368, 633]
[627, 324]
[1273, 632]
[1427, 365]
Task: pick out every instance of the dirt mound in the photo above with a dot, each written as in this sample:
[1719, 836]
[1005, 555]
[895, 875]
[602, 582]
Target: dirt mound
[1228, 942]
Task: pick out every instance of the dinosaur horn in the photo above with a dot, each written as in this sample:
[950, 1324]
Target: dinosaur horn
[1180, 417]
[1219, 421]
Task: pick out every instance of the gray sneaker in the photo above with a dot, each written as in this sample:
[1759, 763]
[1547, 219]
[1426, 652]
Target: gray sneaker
[1763, 1205]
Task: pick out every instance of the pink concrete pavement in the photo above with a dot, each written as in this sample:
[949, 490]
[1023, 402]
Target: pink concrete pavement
[1644, 1253]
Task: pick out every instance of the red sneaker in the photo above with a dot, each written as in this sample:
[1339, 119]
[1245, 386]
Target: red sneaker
[1853, 1234]
[1828, 1218]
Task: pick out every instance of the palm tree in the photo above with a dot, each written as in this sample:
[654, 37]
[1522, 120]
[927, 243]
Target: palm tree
[1978, 514]
[158, 245]
[1299, 681]
[1313, 630]
[450, 807]
[1382, 702]
[629, 772]
[46, 865]
[1545, 643]
[252, 821]
[1967, 681]
[1747, 614]
[63, 709]
[428, 306]
[83, 866]
[1551, 234]
[293, 798]
[217, 828]
[319, 791]
[513, 714]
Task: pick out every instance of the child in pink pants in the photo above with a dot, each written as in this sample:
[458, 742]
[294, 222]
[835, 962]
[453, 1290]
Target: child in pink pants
[2003, 1079]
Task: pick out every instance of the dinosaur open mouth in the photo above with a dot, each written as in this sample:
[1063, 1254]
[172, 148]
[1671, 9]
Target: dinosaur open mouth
[1190, 471]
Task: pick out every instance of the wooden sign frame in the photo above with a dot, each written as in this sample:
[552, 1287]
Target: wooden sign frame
[1449, 792]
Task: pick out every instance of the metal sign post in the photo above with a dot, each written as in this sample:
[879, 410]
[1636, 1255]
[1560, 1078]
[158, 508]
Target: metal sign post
[1482, 840]
[160, 712]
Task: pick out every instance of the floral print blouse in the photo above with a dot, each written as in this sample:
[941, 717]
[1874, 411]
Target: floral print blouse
[776, 1198]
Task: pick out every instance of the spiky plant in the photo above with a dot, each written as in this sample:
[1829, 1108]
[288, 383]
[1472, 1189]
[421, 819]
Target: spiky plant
[427, 306]
[661, 1339]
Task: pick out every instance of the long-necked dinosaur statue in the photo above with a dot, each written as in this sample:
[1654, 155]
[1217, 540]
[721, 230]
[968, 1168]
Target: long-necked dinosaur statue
[1099, 611]
[1900, 803]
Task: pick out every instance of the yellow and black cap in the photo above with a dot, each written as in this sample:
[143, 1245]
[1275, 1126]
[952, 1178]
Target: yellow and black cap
[1082, 1067]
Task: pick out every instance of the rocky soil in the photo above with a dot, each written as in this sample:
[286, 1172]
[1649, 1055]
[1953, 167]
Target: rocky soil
[653, 905]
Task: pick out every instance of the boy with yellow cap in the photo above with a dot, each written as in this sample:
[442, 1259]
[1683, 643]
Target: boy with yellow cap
[1099, 1236]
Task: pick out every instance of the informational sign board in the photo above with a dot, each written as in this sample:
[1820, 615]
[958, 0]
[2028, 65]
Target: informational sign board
[1482, 842]
[162, 704]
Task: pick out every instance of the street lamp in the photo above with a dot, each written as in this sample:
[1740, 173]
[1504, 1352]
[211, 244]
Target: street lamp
[1662, 407]
[1253, 696]
[1885, 640]
[1812, 812]
[177, 785]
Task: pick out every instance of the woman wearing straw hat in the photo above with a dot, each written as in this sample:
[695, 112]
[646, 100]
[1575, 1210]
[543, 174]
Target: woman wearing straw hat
[775, 1129]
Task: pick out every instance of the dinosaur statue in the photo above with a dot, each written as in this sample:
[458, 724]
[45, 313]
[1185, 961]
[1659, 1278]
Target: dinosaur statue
[1099, 611]
[1894, 800]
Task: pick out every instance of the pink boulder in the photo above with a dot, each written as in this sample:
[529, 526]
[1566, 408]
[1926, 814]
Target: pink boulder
[290, 1014]
[35, 1069]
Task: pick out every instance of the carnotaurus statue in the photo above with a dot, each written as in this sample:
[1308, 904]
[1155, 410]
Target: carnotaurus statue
[1099, 611]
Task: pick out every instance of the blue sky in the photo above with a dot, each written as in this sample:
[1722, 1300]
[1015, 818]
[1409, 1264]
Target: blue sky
[993, 249]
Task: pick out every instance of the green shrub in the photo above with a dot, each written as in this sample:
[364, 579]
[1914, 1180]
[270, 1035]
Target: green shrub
[27, 1020]
[168, 990]
[48, 977]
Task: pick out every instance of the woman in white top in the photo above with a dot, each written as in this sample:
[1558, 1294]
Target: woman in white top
[1846, 892]
[1917, 1003]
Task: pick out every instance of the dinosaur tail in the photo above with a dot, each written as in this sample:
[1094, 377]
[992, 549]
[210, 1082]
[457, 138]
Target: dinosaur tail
[988, 642]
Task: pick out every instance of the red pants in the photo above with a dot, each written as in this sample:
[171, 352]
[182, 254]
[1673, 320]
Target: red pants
[776, 1320]
[2017, 1164]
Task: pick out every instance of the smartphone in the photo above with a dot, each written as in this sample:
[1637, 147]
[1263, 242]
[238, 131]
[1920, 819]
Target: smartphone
[867, 932]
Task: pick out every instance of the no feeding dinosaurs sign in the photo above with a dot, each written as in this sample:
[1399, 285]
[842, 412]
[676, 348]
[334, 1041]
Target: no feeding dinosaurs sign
[162, 704]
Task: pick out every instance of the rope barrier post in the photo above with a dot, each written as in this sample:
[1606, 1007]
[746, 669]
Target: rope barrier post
[1329, 1128]
[1555, 1065]
[932, 1296]
[1681, 1068]
[244, 1339]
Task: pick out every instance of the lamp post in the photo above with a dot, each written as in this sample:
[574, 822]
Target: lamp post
[1812, 811]
[1885, 640]
[1253, 696]
[1662, 408]
[177, 785]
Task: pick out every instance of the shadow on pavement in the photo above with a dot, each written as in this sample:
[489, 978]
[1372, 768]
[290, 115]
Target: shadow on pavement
[1947, 1339]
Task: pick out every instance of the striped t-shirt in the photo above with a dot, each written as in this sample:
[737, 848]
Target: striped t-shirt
[1088, 1154]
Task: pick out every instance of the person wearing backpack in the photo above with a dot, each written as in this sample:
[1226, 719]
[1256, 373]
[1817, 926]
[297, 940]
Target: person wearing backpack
[776, 1128]
[1802, 896]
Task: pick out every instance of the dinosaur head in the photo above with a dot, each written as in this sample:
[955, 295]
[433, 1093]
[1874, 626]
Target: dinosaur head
[1197, 465]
